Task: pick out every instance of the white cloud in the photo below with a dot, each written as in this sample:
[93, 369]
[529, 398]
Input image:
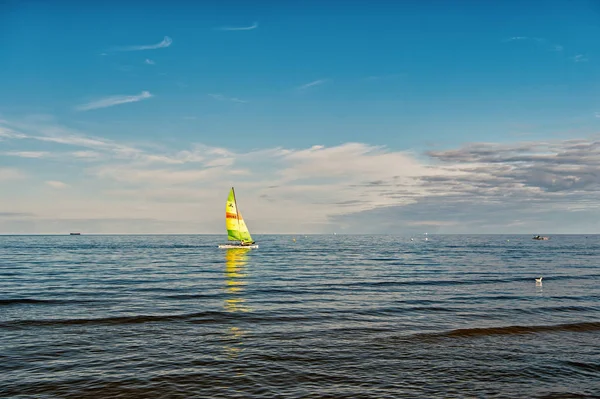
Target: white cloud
[234, 28]
[166, 42]
[149, 61]
[86, 154]
[56, 184]
[9, 133]
[221, 97]
[155, 176]
[26, 154]
[73, 140]
[114, 100]
[103, 149]
[580, 58]
[313, 83]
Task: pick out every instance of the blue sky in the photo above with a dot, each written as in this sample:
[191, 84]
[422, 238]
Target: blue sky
[128, 117]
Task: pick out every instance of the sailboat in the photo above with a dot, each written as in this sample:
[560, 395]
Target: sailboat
[236, 227]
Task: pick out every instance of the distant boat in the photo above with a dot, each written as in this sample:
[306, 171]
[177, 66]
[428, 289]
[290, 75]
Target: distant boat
[75, 234]
[541, 238]
[235, 225]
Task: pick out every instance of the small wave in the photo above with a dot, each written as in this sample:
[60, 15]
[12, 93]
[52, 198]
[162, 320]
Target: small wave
[34, 301]
[485, 298]
[184, 297]
[569, 277]
[561, 309]
[566, 395]
[585, 367]
[404, 309]
[19, 301]
[137, 319]
[208, 317]
[513, 330]
[277, 290]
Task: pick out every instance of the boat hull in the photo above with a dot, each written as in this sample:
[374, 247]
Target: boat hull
[253, 246]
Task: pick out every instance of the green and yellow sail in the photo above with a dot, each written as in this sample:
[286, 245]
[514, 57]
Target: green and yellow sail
[234, 222]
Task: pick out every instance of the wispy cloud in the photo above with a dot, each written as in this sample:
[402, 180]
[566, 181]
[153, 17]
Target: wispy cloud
[580, 58]
[56, 184]
[166, 42]
[101, 149]
[155, 176]
[251, 27]
[49, 133]
[149, 61]
[10, 134]
[114, 100]
[27, 154]
[538, 40]
[221, 97]
[86, 154]
[312, 84]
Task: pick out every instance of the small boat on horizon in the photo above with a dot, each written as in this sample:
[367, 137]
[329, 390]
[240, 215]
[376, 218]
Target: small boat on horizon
[74, 234]
[541, 238]
[235, 225]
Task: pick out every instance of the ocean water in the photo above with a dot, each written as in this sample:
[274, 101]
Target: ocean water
[322, 317]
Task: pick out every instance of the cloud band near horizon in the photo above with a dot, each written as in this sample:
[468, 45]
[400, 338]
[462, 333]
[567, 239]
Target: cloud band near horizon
[509, 186]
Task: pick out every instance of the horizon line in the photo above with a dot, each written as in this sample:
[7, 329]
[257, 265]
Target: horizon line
[292, 234]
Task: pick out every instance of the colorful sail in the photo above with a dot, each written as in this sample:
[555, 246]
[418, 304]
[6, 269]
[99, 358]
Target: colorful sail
[236, 227]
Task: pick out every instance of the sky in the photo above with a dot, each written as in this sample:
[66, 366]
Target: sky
[374, 116]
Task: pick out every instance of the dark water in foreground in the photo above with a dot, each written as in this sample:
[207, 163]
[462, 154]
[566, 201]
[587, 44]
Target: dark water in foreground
[324, 317]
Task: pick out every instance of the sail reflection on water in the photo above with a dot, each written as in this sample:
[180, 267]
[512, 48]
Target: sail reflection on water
[235, 262]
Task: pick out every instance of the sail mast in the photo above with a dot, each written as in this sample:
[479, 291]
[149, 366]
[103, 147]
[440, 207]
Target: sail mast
[237, 214]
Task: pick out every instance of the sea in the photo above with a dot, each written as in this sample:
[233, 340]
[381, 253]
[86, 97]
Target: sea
[302, 316]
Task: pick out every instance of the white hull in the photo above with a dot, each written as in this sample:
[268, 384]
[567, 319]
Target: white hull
[238, 246]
